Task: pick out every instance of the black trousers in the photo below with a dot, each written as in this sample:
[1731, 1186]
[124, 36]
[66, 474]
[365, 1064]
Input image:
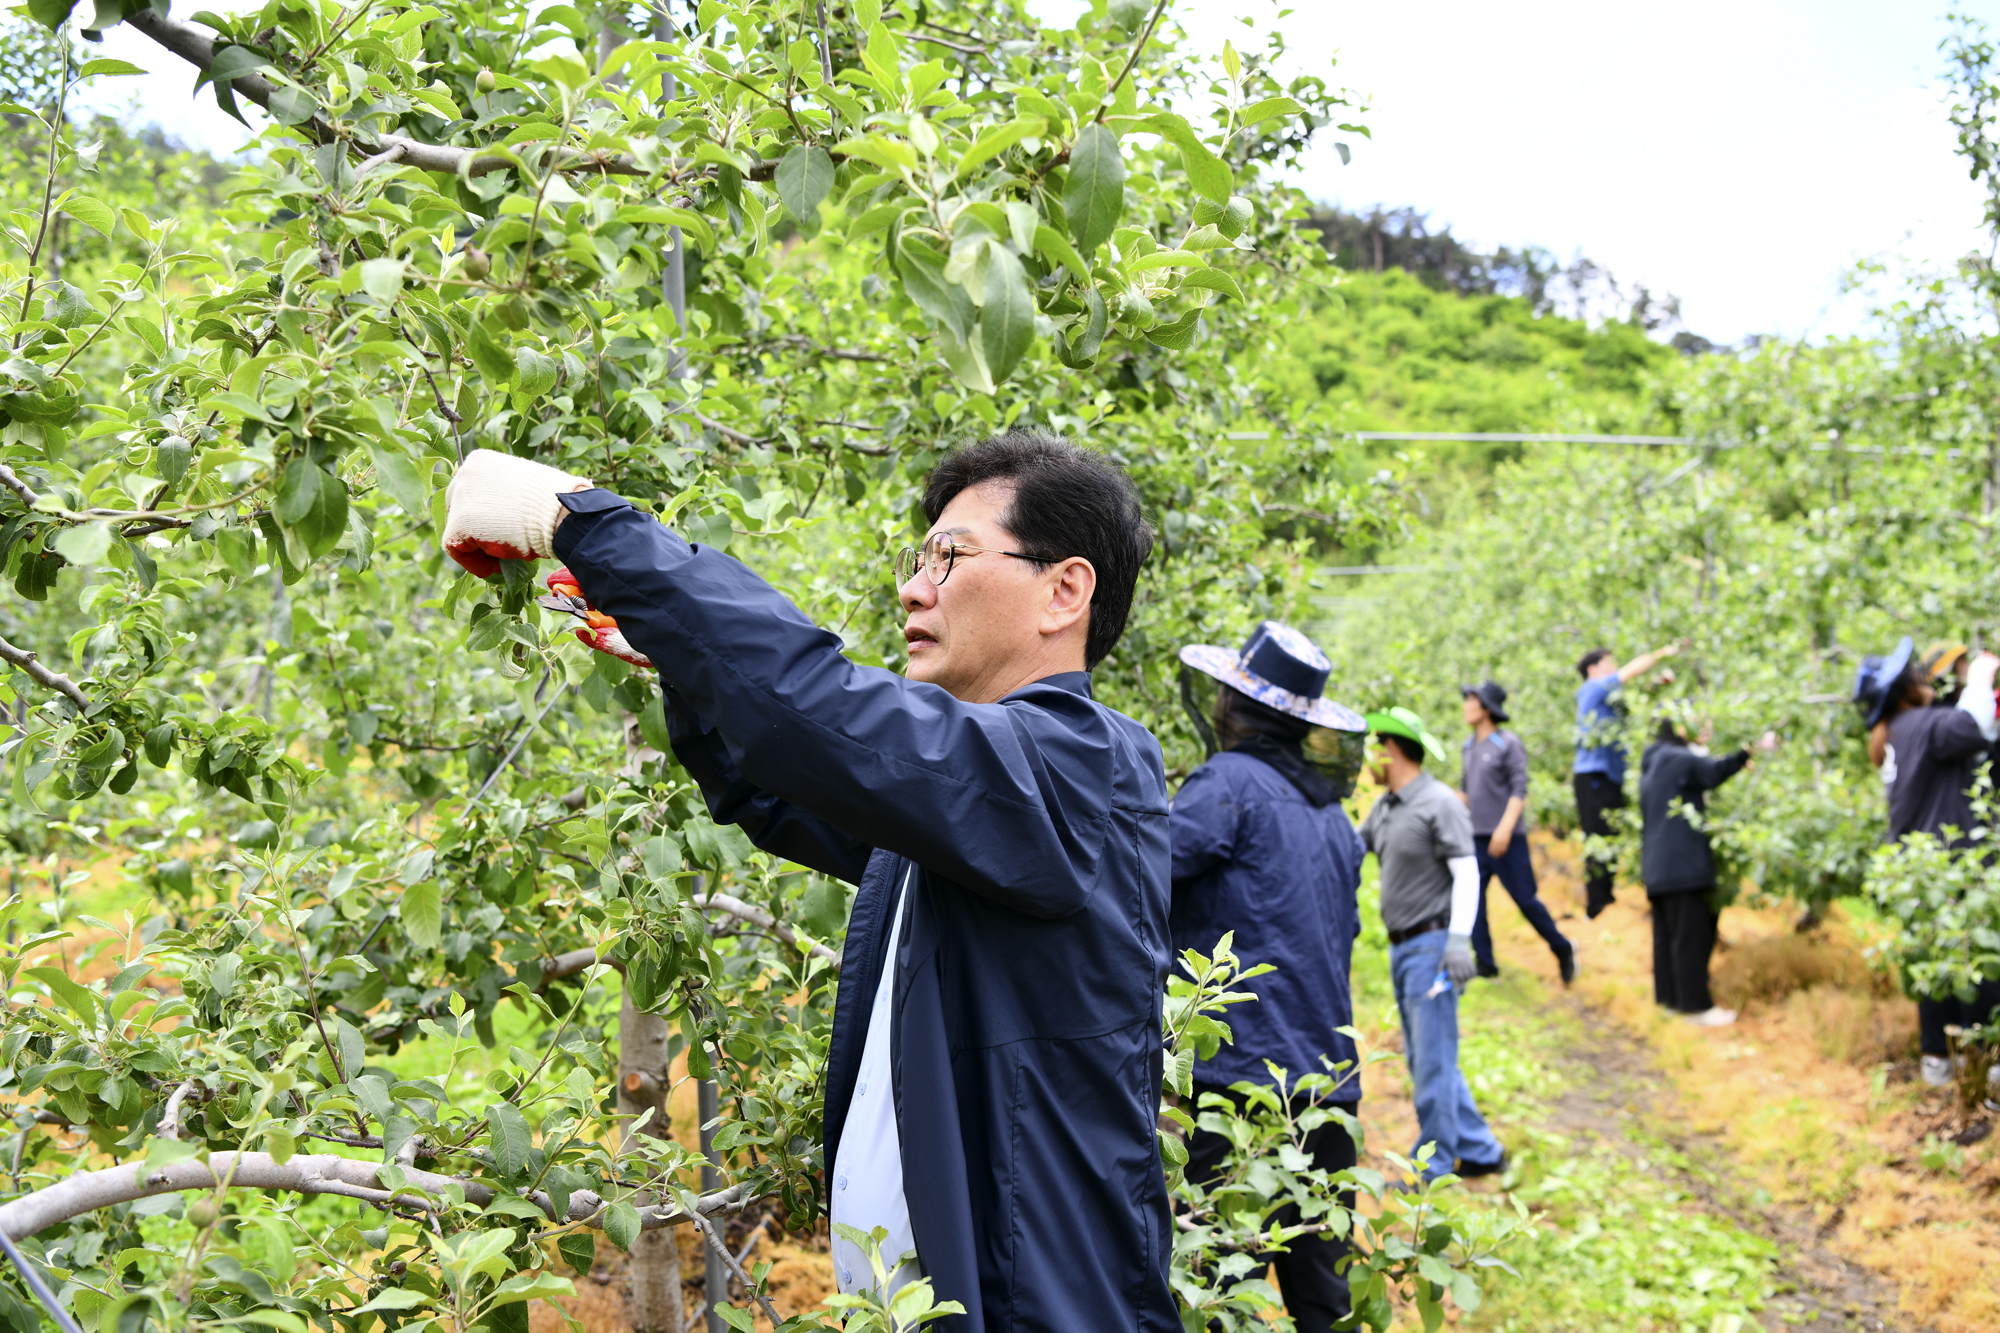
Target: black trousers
[1933, 1016]
[1683, 939]
[1596, 794]
[1517, 875]
[1315, 1291]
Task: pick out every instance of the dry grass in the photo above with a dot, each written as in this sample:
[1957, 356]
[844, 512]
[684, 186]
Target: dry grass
[1813, 1090]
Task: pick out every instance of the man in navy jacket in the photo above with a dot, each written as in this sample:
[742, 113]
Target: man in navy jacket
[1009, 836]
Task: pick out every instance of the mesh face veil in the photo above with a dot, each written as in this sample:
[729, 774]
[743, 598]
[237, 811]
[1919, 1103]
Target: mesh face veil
[1338, 755]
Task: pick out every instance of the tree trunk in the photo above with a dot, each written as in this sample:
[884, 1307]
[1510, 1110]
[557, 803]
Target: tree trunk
[655, 1302]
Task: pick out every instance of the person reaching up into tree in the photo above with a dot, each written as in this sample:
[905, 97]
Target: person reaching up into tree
[1930, 762]
[1494, 787]
[1262, 848]
[995, 1071]
[1599, 772]
[1421, 836]
[1945, 665]
[1677, 864]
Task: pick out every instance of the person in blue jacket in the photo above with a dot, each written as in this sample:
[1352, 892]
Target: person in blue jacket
[1263, 848]
[996, 1041]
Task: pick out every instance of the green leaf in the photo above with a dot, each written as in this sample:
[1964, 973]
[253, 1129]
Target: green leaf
[106, 65]
[51, 14]
[653, 724]
[804, 176]
[1094, 192]
[621, 1225]
[92, 213]
[107, 748]
[578, 1249]
[1177, 336]
[68, 307]
[171, 458]
[511, 1139]
[1213, 279]
[998, 140]
[373, 1094]
[394, 1298]
[382, 279]
[84, 544]
[352, 1045]
[279, 1319]
[312, 504]
[79, 999]
[1007, 322]
[1053, 245]
[160, 744]
[495, 361]
[1270, 108]
[922, 271]
[423, 914]
[531, 1287]
[1209, 174]
[292, 106]
[537, 372]
[396, 475]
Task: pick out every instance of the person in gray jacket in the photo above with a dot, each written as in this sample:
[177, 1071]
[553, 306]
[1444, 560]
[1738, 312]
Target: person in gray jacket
[1422, 840]
[1495, 791]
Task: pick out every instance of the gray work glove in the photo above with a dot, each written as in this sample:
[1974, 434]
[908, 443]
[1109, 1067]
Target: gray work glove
[1458, 964]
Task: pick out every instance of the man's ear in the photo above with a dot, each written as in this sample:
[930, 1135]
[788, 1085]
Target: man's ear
[1073, 583]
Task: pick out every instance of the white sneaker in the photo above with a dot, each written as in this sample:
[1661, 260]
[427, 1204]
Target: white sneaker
[1713, 1018]
[1936, 1071]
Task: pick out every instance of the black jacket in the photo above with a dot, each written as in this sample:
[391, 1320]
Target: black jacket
[1027, 996]
[1675, 856]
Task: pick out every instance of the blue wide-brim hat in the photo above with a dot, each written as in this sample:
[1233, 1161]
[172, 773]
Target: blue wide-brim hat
[1877, 674]
[1279, 668]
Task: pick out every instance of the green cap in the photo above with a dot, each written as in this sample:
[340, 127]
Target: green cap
[1402, 722]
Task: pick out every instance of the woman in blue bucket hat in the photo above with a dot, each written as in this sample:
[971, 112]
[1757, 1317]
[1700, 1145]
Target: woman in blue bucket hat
[1262, 847]
[1930, 763]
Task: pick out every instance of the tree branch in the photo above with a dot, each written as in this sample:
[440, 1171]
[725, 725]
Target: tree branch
[757, 916]
[199, 51]
[87, 1191]
[19, 487]
[42, 676]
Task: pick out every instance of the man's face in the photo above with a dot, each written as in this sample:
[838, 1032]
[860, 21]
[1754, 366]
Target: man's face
[1475, 711]
[970, 635]
[1604, 666]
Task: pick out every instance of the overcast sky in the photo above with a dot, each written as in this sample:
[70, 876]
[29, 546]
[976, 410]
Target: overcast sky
[1741, 154]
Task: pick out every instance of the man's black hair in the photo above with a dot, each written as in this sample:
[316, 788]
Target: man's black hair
[1412, 750]
[1589, 660]
[1669, 733]
[1067, 502]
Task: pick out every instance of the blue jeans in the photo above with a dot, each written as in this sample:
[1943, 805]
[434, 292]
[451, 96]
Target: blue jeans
[1446, 1114]
[1517, 875]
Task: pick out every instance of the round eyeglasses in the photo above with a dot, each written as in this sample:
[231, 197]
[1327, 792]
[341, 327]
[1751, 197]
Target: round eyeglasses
[938, 554]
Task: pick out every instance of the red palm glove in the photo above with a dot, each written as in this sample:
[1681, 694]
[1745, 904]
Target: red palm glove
[597, 630]
[499, 507]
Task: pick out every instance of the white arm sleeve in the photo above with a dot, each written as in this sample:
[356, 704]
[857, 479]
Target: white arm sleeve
[1980, 703]
[1464, 893]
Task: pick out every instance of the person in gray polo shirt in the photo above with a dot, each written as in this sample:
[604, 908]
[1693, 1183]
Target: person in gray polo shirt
[1421, 837]
[1495, 791]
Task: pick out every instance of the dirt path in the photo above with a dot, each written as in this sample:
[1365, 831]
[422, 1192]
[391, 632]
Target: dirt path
[1626, 1104]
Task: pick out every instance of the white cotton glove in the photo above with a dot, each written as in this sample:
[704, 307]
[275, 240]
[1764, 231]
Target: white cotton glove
[499, 507]
[1458, 963]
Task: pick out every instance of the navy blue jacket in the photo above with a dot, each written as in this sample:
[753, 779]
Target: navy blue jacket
[1254, 856]
[1026, 1032]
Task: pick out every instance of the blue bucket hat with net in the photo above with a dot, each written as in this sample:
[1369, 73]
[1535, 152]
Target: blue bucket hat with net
[1279, 668]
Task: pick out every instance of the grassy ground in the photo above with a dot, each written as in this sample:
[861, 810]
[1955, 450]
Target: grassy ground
[1786, 1172]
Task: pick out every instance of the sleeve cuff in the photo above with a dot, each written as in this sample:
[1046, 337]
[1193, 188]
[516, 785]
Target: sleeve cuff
[1980, 704]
